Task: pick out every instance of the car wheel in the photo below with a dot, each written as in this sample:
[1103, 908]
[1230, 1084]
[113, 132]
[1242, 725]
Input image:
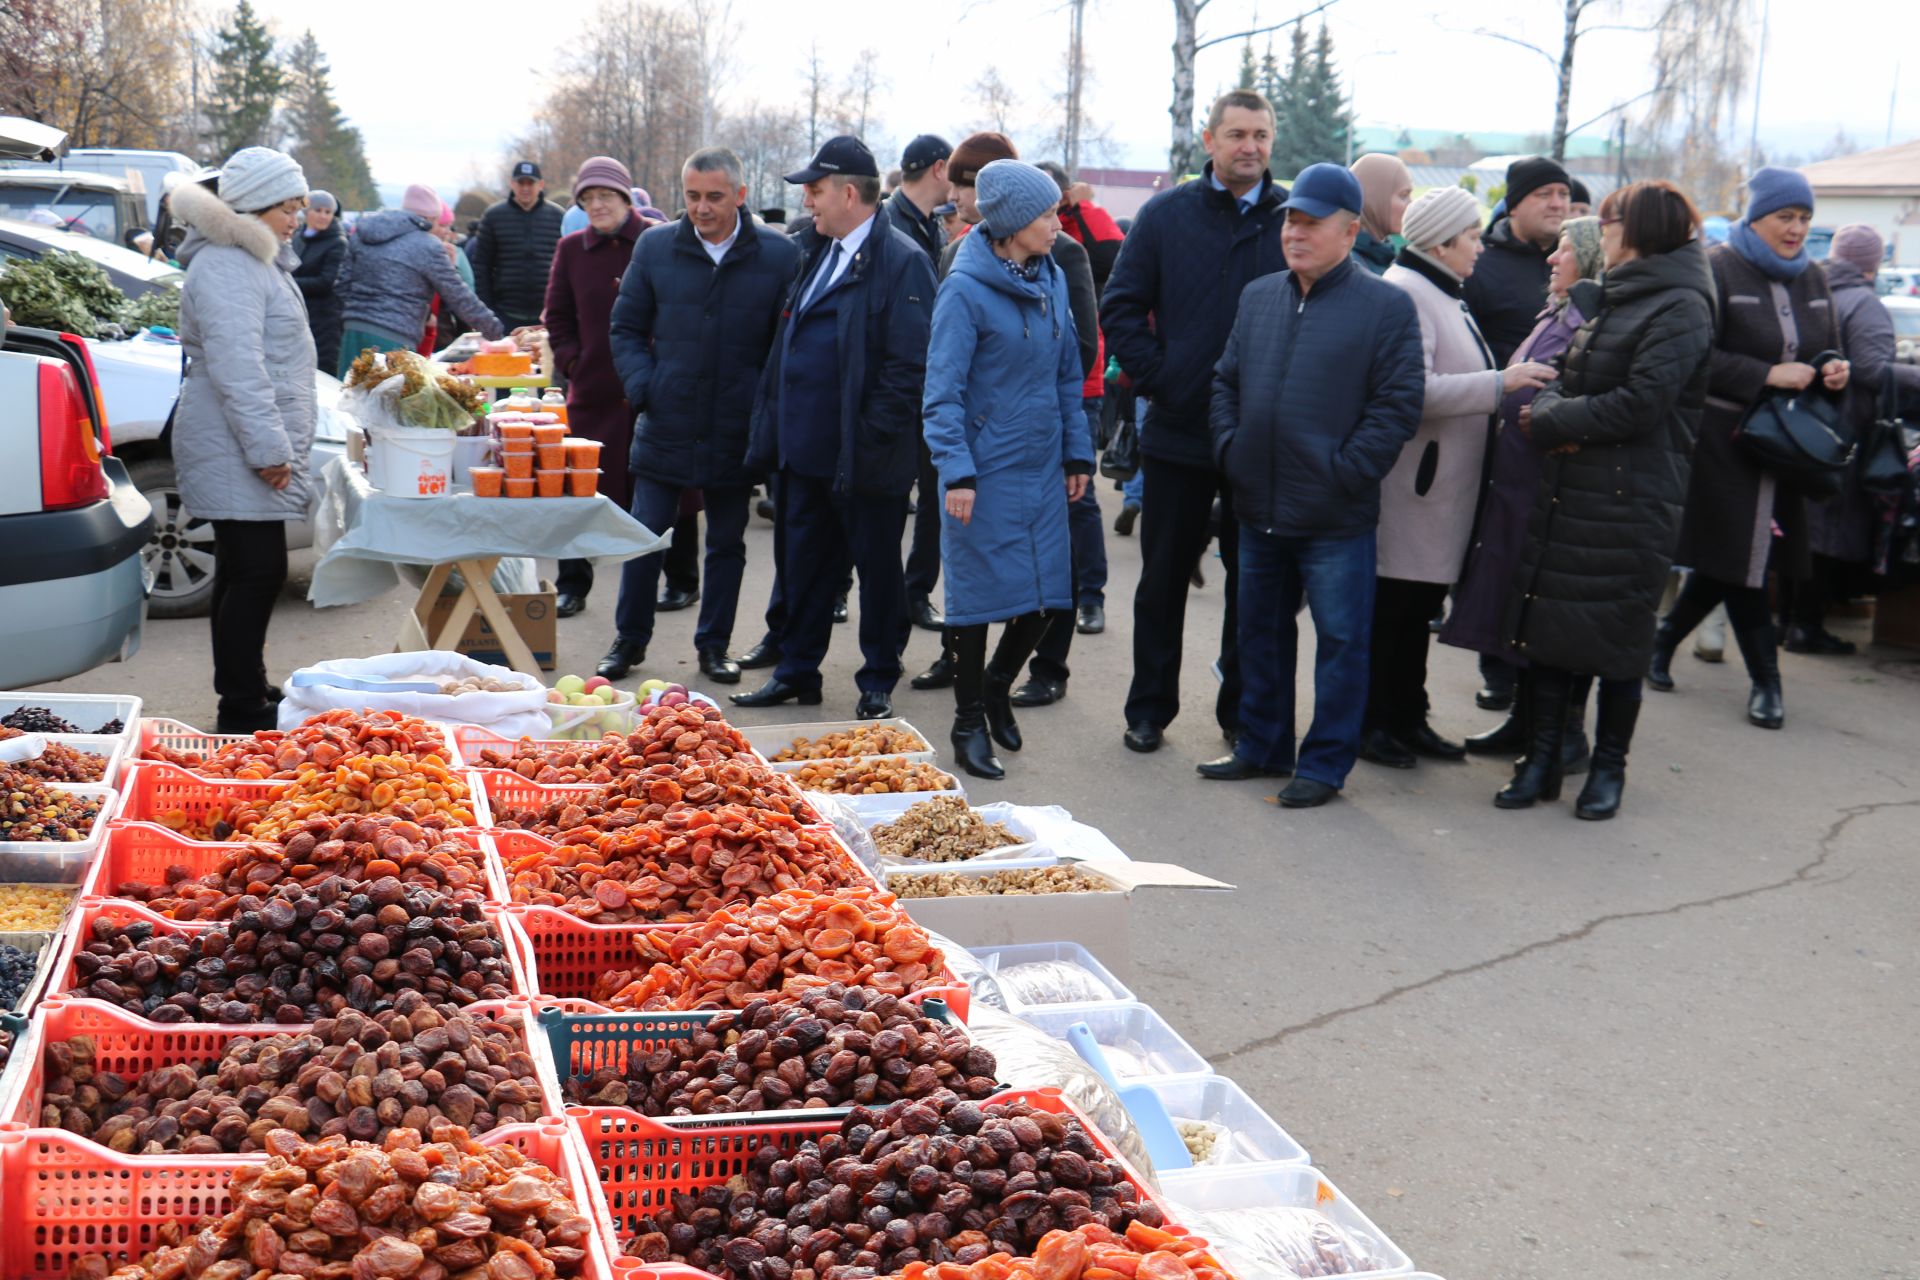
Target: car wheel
[180, 553]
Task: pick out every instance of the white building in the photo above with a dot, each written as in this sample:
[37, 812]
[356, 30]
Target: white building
[1880, 188]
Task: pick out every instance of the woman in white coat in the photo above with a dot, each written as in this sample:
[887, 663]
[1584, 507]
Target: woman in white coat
[1428, 501]
[244, 425]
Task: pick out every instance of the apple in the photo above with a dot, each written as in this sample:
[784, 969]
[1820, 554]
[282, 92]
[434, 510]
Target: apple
[570, 684]
[649, 686]
[673, 699]
[554, 695]
[596, 682]
[607, 694]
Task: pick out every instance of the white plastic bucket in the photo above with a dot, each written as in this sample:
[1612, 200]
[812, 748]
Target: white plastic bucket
[469, 452]
[411, 462]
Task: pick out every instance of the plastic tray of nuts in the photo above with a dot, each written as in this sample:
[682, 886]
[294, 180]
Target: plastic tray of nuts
[65, 1199]
[59, 861]
[176, 735]
[635, 1164]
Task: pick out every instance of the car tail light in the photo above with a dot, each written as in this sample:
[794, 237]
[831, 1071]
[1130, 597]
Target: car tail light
[99, 399]
[70, 473]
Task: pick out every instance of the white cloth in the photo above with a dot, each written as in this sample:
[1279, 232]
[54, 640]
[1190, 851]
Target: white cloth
[719, 251]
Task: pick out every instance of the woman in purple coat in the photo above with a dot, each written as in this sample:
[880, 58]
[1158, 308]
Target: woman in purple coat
[1477, 619]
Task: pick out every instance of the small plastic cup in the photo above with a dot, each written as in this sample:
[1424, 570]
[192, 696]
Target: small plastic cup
[519, 486]
[553, 457]
[582, 454]
[549, 432]
[553, 484]
[583, 482]
[512, 431]
[519, 465]
[487, 481]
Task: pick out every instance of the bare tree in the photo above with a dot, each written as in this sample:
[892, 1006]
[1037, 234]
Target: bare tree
[712, 33]
[1573, 26]
[109, 72]
[996, 100]
[1702, 57]
[770, 142]
[1187, 45]
[819, 97]
[858, 97]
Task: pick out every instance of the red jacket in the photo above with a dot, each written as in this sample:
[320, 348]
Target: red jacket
[1100, 236]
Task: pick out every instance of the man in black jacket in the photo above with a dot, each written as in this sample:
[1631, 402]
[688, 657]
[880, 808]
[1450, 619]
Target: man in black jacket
[1166, 314]
[835, 420]
[1319, 388]
[513, 251]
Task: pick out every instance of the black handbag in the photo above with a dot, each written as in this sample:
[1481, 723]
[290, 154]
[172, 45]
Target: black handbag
[1122, 456]
[1800, 436]
[1883, 468]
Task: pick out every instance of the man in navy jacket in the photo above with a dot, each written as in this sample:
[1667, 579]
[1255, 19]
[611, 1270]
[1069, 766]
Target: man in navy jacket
[1320, 386]
[837, 421]
[1166, 312]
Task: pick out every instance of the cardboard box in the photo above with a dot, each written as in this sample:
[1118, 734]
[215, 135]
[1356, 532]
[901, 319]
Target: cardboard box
[533, 617]
[1896, 618]
[1100, 922]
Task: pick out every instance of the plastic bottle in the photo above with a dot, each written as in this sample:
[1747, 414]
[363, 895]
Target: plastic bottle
[554, 401]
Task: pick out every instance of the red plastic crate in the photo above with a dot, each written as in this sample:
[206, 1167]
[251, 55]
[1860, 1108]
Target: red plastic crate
[511, 845]
[507, 790]
[635, 1164]
[176, 735]
[130, 1046]
[87, 910]
[141, 852]
[63, 1198]
[150, 788]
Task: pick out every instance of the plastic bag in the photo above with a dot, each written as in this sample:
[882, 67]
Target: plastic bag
[1038, 1061]
[1280, 1241]
[967, 967]
[1208, 1142]
[511, 715]
[431, 406]
[1053, 982]
[848, 826]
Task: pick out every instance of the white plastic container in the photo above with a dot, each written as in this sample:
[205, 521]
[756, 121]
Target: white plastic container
[1217, 1189]
[1006, 956]
[58, 861]
[591, 722]
[112, 746]
[469, 452]
[86, 712]
[771, 739]
[411, 462]
[1138, 1042]
[863, 805]
[1251, 1135]
[1028, 853]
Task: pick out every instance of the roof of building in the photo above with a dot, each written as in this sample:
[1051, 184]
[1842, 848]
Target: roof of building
[1389, 138]
[1149, 178]
[1884, 171]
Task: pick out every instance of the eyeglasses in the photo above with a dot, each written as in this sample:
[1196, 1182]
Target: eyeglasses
[1610, 222]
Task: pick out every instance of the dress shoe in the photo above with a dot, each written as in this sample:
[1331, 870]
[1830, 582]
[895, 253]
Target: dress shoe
[873, 705]
[1123, 523]
[1143, 737]
[1091, 620]
[840, 609]
[1232, 768]
[1306, 793]
[1423, 741]
[569, 604]
[622, 657]
[922, 614]
[251, 720]
[1492, 699]
[1377, 746]
[999, 705]
[937, 676]
[673, 599]
[1037, 692]
[716, 666]
[763, 507]
[1817, 640]
[764, 654]
[774, 692]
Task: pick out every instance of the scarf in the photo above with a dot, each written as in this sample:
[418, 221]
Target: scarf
[1421, 264]
[1380, 176]
[1747, 243]
[1589, 258]
[1028, 270]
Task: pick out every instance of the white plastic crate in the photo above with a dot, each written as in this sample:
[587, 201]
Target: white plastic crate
[86, 712]
[1228, 1189]
[1138, 1042]
[1007, 955]
[58, 861]
[771, 739]
[1029, 853]
[1250, 1134]
[112, 746]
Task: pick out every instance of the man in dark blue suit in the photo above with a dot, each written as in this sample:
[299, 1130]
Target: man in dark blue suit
[835, 423]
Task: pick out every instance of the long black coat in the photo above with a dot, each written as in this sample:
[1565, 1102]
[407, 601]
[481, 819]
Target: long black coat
[689, 341]
[1600, 540]
[511, 256]
[1732, 502]
[319, 263]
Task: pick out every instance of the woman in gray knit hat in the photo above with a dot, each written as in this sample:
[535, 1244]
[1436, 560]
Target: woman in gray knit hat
[244, 423]
[1008, 435]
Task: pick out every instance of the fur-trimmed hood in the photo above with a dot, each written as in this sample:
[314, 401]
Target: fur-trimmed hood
[209, 220]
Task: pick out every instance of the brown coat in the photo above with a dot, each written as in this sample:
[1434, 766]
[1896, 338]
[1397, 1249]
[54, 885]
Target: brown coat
[1732, 503]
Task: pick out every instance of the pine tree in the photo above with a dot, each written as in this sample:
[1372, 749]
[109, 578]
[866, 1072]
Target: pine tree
[247, 80]
[1248, 73]
[318, 136]
[1311, 121]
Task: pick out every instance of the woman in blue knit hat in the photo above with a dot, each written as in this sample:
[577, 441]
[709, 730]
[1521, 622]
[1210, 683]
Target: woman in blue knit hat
[1776, 316]
[1008, 435]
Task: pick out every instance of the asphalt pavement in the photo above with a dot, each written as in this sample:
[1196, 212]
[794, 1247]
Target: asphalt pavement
[1680, 1043]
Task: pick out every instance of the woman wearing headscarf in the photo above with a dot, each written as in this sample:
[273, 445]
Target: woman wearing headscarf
[1004, 424]
[244, 424]
[1427, 501]
[320, 246]
[1618, 428]
[393, 268]
[1776, 314]
[1386, 188]
[1477, 620]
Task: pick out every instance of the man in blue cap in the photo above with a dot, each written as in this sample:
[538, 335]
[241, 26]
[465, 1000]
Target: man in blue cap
[1320, 386]
[837, 423]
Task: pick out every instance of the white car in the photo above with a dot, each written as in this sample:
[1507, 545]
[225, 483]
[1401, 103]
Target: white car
[1898, 282]
[1906, 328]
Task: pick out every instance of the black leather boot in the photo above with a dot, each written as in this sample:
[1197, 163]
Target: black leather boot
[1575, 751]
[1666, 639]
[1538, 776]
[999, 706]
[1765, 706]
[972, 748]
[1607, 778]
[1509, 737]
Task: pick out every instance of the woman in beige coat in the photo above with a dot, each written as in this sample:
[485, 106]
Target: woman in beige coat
[1428, 501]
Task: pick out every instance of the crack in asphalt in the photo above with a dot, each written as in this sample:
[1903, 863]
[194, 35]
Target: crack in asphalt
[1804, 875]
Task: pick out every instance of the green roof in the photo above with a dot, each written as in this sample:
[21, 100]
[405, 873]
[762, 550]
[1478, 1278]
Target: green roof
[1385, 138]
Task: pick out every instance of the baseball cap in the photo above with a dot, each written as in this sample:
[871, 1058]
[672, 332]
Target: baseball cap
[924, 152]
[526, 169]
[1323, 189]
[842, 157]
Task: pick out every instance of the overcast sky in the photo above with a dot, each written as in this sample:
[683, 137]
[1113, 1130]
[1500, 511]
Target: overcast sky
[436, 89]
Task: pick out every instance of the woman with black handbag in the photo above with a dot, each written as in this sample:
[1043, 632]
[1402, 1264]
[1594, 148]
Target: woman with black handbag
[1776, 312]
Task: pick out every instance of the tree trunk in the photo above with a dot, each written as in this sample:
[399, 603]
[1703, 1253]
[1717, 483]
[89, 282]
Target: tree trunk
[1186, 24]
[1568, 40]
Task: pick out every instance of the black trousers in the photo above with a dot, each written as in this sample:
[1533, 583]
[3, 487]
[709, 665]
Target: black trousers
[250, 568]
[1175, 508]
[923, 557]
[1397, 679]
[1747, 607]
[1017, 639]
[825, 532]
[681, 567]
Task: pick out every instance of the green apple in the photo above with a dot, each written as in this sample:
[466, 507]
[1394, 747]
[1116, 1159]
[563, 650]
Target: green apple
[570, 684]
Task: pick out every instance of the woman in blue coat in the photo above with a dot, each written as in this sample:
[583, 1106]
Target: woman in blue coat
[1007, 432]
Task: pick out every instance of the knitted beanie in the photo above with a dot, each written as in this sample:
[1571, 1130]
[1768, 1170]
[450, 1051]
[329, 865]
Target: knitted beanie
[1439, 216]
[256, 178]
[322, 200]
[1859, 246]
[1528, 174]
[977, 152]
[1772, 189]
[422, 202]
[603, 171]
[1013, 194]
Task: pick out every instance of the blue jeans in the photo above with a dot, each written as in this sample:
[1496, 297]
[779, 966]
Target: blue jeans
[1088, 539]
[1131, 488]
[1335, 576]
[656, 505]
